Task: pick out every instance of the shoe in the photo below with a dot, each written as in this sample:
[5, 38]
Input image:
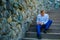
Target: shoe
[39, 37]
[45, 31]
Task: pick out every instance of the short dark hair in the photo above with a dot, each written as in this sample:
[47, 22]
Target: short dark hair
[42, 11]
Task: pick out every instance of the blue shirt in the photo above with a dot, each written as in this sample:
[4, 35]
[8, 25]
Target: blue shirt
[43, 19]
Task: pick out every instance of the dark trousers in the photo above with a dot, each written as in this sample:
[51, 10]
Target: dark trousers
[46, 27]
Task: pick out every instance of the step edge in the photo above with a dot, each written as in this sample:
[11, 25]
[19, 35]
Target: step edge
[43, 33]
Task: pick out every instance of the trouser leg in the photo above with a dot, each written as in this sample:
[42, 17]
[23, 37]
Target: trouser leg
[38, 30]
[48, 24]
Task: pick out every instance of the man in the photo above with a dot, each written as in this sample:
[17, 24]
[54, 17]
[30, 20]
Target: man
[43, 21]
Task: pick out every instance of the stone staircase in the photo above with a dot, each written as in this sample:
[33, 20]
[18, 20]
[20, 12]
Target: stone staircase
[52, 34]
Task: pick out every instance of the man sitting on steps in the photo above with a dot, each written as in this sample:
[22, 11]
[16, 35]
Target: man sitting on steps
[43, 21]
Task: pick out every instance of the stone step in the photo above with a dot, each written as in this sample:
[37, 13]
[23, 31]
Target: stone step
[55, 18]
[52, 28]
[53, 24]
[54, 14]
[56, 23]
[44, 36]
[49, 31]
[53, 21]
[53, 11]
[38, 39]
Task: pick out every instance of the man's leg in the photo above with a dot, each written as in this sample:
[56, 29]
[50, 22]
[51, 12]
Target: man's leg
[47, 25]
[38, 27]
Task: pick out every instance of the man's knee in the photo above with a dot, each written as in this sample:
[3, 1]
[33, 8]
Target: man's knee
[50, 21]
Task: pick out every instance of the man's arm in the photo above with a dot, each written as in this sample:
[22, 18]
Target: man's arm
[38, 20]
[47, 18]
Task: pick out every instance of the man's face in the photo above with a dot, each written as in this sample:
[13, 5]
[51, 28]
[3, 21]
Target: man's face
[42, 13]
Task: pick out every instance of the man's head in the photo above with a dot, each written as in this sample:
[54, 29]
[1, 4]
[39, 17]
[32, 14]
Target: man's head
[42, 12]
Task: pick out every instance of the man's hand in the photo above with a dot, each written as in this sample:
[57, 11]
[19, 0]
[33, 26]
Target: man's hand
[41, 23]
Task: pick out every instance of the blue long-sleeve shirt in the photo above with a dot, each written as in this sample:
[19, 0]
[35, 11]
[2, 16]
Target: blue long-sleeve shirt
[44, 19]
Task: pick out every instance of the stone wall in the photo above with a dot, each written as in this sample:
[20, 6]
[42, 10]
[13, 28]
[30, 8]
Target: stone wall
[17, 15]
[51, 4]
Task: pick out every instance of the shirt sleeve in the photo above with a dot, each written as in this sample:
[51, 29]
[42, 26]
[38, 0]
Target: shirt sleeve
[38, 19]
[47, 18]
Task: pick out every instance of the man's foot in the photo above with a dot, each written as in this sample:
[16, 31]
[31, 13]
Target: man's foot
[45, 31]
[39, 37]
